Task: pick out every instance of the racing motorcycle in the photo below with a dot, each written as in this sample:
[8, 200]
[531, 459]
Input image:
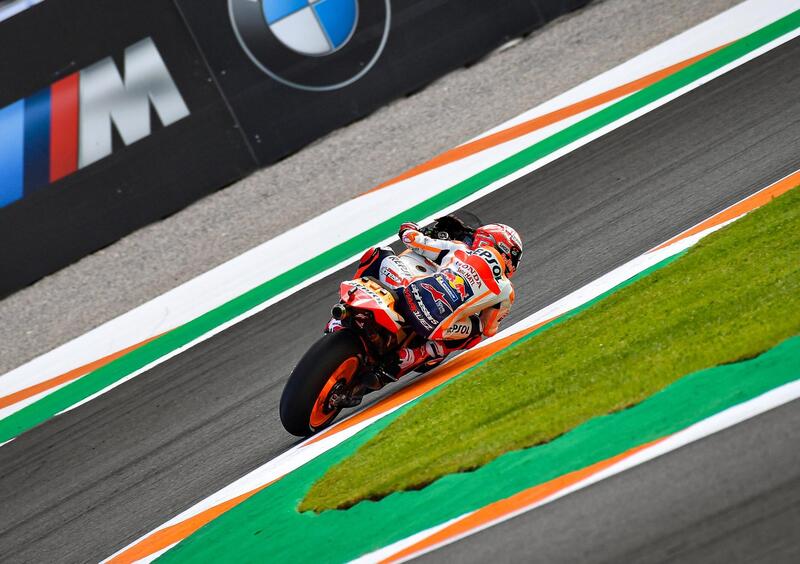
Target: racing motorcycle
[344, 365]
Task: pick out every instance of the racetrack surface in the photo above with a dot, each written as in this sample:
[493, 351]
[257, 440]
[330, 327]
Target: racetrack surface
[346, 163]
[87, 483]
[731, 497]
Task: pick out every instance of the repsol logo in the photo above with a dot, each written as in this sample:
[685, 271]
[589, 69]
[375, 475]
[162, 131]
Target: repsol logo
[497, 270]
[68, 125]
[458, 329]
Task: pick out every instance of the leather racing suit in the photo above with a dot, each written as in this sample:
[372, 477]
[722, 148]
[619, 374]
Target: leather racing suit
[453, 307]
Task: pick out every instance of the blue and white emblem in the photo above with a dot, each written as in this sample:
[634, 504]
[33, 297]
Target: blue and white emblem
[316, 27]
[313, 45]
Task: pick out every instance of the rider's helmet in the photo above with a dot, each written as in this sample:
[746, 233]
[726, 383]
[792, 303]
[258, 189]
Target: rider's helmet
[503, 238]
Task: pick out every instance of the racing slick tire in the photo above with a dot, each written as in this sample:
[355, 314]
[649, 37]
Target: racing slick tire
[334, 359]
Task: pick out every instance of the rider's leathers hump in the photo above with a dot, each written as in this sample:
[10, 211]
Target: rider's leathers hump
[468, 282]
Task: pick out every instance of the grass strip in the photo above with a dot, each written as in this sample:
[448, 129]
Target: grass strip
[268, 528]
[733, 296]
[100, 379]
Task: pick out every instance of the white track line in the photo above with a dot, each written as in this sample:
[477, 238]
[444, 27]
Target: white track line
[714, 424]
[336, 226]
[476, 196]
[307, 450]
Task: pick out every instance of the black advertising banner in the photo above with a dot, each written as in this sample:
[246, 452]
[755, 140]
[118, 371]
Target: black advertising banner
[110, 117]
[294, 70]
[109, 120]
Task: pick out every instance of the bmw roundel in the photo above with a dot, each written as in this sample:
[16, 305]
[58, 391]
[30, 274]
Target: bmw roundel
[312, 44]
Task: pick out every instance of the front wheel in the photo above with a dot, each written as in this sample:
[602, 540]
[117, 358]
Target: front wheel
[334, 359]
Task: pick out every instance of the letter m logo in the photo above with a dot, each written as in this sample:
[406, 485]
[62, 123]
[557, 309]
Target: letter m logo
[106, 98]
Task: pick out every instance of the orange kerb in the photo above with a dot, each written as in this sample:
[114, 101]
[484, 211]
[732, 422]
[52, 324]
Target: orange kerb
[179, 531]
[504, 507]
[747, 205]
[514, 132]
[461, 363]
[74, 374]
[175, 533]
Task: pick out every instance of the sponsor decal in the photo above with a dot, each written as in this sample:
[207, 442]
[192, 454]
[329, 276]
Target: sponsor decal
[397, 273]
[438, 298]
[469, 274]
[399, 265]
[458, 283]
[391, 275]
[449, 286]
[315, 45]
[437, 295]
[412, 305]
[422, 322]
[67, 126]
[488, 256]
[421, 305]
[458, 329]
[384, 300]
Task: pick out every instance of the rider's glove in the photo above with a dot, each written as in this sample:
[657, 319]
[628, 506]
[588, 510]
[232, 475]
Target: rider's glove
[405, 227]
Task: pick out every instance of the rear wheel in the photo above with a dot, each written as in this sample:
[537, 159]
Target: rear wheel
[329, 366]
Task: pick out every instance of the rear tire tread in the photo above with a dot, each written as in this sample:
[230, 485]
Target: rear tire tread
[309, 378]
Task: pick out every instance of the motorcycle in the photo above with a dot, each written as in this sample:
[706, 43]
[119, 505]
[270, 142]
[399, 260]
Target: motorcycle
[344, 365]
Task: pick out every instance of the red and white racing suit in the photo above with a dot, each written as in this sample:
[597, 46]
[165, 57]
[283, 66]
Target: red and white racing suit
[455, 306]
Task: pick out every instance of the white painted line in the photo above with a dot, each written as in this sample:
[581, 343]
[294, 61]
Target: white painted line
[306, 451]
[276, 468]
[726, 27]
[336, 226]
[476, 196]
[714, 424]
[396, 547]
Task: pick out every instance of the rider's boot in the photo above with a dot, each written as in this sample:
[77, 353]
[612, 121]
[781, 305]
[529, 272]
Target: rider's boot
[406, 360]
[411, 358]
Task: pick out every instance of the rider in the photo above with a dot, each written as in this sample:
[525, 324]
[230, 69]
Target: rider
[463, 300]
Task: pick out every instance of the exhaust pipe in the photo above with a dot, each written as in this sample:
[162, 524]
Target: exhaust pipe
[338, 312]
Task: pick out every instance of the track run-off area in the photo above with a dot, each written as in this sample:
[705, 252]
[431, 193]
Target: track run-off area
[592, 190]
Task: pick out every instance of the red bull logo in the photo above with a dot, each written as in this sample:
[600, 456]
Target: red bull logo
[457, 283]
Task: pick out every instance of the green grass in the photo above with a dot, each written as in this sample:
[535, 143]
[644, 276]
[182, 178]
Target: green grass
[731, 297]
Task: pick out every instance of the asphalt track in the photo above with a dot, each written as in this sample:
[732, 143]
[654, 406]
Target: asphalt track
[89, 482]
[731, 497]
[344, 164]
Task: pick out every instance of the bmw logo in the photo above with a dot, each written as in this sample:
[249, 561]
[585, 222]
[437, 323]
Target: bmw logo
[312, 45]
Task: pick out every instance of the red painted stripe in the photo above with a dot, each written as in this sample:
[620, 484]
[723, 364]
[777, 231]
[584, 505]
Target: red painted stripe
[64, 127]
